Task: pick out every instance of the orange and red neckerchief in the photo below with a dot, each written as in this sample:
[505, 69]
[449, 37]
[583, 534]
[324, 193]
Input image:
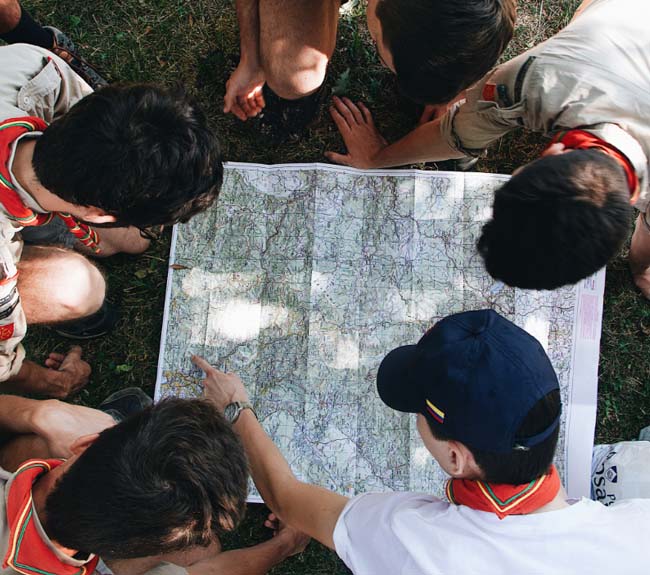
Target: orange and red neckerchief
[503, 499]
[583, 140]
[27, 553]
[10, 131]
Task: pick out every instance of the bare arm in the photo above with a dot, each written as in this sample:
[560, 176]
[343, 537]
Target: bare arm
[44, 428]
[244, 96]
[17, 414]
[62, 376]
[424, 144]
[308, 508]
[255, 560]
[368, 149]
[248, 17]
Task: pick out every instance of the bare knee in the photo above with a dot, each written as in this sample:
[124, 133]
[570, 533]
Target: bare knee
[9, 15]
[57, 284]
[82, 289]
[292, 76]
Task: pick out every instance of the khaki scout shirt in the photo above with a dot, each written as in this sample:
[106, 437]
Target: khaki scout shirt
[102, 569]
[594, 74]
[33, 82]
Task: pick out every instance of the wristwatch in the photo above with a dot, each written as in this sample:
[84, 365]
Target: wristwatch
[233, 410]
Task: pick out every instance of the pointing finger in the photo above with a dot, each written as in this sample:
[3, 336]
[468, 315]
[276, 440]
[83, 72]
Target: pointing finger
[201, 363]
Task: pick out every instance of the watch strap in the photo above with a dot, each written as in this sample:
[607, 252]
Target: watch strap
[239, 406]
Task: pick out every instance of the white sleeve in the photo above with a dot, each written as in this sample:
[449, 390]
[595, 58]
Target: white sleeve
[371, 531]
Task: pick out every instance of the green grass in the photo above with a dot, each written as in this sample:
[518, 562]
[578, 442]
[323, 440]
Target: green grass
[195, 43]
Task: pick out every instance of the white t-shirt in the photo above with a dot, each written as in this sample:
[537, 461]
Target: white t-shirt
[414, 534]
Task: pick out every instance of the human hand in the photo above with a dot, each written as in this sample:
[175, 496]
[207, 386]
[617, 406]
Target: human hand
[295, 541]
[361, 137]
[244, 96]
[67, 374]
[220, 388]
[61, 424]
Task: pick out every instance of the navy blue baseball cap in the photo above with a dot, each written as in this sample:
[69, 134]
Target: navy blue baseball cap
[474, 374]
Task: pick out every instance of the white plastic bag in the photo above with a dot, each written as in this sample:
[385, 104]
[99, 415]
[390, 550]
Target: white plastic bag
[620, 471]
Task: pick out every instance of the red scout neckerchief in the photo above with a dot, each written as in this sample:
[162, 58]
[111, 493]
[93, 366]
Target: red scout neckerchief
[504, 499]
[27, 553]
[582, 140]
[10, 130]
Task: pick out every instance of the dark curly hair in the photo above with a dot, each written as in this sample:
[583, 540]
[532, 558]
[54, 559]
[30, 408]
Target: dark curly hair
[439, 47]
[141, 153]
[171, 477]
[559, 220]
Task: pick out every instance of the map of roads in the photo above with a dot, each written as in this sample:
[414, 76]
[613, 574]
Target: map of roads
[303, 277]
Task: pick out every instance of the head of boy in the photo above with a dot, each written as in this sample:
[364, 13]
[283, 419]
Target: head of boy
[439, 48]
[557, 220]
[135, 155]
[167, 483]
[486, 395]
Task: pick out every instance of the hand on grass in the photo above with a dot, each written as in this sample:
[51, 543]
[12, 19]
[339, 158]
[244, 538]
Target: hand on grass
[244, 96]
[67, 374]
[296, 541]
[61, 424]
[220, 388]
[362, 139]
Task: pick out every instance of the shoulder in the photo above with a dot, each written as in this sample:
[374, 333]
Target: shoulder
[628, 514]
[631, 508]
[23, 59]
[378, 532]
[379, 510]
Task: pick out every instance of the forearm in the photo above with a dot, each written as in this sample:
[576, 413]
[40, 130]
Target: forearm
[424, 144]
[308, 508]
[255, 560]
[248, 16]
[31, 378]
[17, 414]
[270, 470]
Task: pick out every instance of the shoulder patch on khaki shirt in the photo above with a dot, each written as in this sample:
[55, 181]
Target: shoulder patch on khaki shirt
[489, 92]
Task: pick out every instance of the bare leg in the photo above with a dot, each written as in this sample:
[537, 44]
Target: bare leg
[57, 285]
[297, 39]
[9, 15]
[116, 241]
[640, 257]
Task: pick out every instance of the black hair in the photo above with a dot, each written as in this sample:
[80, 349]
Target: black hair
[559, 220]
[519, 466]
[439, 47]
[141, 153]
[169, 478]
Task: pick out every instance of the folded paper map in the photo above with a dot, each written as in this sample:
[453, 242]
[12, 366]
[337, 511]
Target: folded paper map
[303, 277]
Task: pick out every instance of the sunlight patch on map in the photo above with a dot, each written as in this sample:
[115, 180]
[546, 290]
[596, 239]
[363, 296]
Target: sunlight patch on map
[347, 353]
[421, 456]
[539, 328]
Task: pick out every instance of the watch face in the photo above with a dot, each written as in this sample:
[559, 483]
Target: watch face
[231, 411]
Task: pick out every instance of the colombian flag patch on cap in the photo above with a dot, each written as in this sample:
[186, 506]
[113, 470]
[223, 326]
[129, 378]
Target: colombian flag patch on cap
[435, 412]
